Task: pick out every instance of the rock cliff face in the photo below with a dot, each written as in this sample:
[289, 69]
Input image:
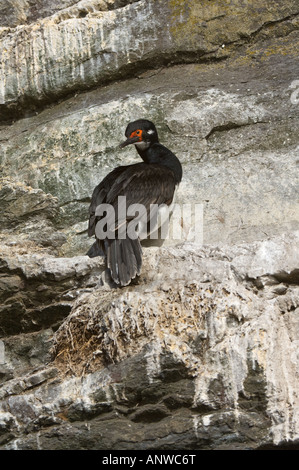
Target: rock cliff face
[202, 351]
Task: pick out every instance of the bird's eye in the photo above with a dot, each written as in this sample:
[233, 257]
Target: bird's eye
[137, 133]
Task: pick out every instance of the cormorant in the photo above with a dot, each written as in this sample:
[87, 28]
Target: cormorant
[152, 181]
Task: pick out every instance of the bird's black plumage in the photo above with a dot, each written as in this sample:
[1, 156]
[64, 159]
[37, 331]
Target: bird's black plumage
[152, 181]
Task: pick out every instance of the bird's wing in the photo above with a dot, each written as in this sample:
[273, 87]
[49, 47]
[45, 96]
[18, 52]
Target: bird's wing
[140, 184]
[99, 195]
[143, 184]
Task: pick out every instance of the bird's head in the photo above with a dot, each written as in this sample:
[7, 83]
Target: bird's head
[142, 133]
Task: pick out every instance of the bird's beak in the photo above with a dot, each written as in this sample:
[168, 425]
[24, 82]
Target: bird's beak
[130, 140]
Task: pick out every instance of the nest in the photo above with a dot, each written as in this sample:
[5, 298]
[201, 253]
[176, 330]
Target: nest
[101, 330]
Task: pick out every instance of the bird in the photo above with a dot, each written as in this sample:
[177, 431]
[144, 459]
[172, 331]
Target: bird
[150, 183]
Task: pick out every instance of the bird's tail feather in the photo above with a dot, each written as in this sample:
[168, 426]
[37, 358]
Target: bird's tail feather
[124, 259]
[95, 250]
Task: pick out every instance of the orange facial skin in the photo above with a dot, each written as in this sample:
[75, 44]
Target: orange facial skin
[137, 133]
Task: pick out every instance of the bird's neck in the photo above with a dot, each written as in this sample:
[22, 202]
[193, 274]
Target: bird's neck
[158, 154]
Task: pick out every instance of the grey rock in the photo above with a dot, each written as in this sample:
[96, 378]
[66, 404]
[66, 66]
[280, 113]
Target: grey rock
[202, 359]
[43, 291]
[238, 149]
[201, 352]
[76, 52]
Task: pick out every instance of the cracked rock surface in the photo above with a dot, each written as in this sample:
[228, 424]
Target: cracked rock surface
[194, 356]
[201, 352]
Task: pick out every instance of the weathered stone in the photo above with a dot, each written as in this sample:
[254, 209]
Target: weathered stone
[206, 369]
[24, 353]
[42, 292]
[76, 52]
[201, 352]
[233, 139]
[7, 425]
